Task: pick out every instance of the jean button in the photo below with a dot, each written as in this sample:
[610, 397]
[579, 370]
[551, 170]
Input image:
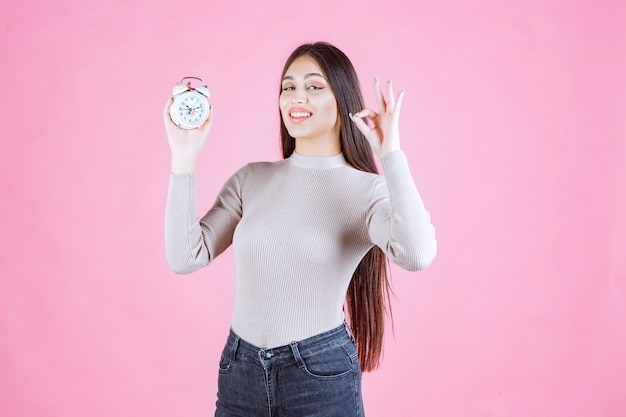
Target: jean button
[268, 355]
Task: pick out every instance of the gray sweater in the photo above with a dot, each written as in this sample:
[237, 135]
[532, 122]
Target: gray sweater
[299, 228]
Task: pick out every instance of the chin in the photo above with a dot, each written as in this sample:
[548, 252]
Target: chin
[296, 133]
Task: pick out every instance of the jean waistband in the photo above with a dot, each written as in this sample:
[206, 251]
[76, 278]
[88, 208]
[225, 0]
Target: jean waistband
[307, 347]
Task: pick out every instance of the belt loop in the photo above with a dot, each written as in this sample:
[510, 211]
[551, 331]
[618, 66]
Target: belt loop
[296, 354]
[233, 349]
[349, 331]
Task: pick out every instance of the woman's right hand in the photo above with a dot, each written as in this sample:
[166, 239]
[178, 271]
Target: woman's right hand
[185, 144]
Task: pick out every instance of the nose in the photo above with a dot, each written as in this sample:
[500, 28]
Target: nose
[299, 97]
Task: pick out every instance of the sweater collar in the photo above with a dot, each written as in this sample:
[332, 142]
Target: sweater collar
[317, 162]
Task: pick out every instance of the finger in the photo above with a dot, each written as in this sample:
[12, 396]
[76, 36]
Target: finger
[166, 112]
[166, 109]
[360, 123]
[391, 98]
[209, 121]
[366, 114]
[380, 100]
[396, 109]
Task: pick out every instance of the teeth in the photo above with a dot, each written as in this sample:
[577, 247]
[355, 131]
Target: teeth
[300, 114]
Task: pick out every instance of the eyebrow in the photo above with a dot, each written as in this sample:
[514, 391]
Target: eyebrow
[310, 74]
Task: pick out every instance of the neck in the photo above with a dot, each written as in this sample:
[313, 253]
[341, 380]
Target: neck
[327, 145]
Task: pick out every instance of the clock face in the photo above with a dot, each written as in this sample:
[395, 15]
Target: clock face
[189, 110]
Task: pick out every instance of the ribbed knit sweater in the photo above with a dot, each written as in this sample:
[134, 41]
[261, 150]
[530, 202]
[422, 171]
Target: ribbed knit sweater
[299, 228]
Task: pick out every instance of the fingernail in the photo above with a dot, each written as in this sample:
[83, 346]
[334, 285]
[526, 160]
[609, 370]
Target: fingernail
[351, 118]
[389, 81]
[403, 90]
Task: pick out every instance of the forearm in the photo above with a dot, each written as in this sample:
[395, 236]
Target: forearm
[185, 248]
[411, 234]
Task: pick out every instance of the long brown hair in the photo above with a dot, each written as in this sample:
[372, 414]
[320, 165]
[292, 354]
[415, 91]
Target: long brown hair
[367, 299]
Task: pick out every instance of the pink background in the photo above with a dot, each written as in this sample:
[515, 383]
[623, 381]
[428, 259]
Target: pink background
[514, 124]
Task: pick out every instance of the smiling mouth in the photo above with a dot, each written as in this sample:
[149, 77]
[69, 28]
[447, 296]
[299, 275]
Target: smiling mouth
[300, 115]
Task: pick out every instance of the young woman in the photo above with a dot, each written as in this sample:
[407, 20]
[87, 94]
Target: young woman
[311, 233]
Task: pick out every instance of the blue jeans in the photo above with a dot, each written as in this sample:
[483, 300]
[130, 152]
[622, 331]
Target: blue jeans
[318, 376]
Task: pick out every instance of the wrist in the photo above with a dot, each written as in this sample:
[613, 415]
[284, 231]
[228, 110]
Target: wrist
[385, 152]
[183, 164]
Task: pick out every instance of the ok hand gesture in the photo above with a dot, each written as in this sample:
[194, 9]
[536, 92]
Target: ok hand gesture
[381, 129]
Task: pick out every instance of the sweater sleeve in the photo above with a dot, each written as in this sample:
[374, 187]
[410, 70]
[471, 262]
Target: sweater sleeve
[192, 242]
[398, 223]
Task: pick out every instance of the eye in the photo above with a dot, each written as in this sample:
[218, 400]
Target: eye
[315, 87]
[288, 88]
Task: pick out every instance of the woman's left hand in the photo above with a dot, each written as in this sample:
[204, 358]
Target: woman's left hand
[381, 129]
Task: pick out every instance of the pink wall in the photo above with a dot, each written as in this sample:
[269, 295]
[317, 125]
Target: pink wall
[513, 122]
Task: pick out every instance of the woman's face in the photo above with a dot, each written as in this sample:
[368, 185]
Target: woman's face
[307, 103]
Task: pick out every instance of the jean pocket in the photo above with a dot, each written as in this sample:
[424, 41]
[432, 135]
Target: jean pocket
[335, 362]
[226, 362]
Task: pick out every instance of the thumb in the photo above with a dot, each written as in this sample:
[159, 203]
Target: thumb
[359, 120]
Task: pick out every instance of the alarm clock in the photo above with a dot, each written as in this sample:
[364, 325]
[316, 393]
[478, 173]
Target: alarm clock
[191, 106]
